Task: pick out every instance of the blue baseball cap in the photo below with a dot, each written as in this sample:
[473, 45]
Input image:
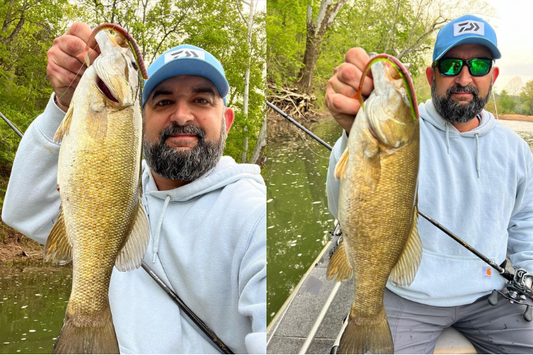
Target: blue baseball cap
[466, 29]
[186, 59]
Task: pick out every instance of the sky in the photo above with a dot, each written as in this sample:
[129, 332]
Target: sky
[514, 31]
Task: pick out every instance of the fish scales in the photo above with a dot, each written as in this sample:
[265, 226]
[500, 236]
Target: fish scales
[102, 223]
[377, 210]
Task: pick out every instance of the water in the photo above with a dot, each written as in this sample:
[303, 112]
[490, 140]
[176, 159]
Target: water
[33, 301]
[298, 220]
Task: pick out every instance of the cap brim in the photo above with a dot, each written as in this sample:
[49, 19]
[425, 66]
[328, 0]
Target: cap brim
[186, 66]
[474, 40]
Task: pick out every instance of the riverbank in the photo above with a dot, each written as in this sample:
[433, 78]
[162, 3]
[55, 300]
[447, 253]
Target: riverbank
[16, 248]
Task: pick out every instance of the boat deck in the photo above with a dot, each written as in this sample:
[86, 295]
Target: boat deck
[319, 307]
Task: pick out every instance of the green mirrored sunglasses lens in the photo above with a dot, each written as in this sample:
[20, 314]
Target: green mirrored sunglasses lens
[479, 66]
[450, 66]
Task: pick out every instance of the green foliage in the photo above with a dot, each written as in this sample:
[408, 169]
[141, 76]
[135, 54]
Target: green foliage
[507, 102]
[526, 97]
[286, 36]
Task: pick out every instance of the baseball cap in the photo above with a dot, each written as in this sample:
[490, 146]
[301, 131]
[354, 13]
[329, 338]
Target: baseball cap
[186, 59]
[466, 29]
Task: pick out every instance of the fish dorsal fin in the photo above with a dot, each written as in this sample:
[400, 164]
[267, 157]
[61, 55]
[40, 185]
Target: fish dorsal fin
[340, 168]
[131, 255]
[404, 272]
[57, 248]
[64, 127]
[339, 266]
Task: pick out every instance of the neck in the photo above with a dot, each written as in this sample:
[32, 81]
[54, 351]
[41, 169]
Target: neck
[467, 126]
[164, 184]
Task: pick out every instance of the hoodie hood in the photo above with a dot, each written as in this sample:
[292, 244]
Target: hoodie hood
[227, 171]
[429, 114]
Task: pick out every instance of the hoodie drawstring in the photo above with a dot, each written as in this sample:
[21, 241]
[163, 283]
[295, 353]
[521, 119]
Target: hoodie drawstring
[158, 229]
[477, 155]
[447, 130]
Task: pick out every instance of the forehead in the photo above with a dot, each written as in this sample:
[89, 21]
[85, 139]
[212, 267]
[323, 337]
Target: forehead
[185, 83]
[467, 51]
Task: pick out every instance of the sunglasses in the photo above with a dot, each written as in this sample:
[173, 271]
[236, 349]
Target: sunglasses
[453, 66]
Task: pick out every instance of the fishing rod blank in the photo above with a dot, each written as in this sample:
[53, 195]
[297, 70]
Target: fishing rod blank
[216, 340]
[293, 121]
[11, 125]
[506, 274]
[207, 331]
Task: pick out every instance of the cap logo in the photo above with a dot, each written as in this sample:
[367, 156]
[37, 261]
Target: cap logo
[184, 53]
[468, 27]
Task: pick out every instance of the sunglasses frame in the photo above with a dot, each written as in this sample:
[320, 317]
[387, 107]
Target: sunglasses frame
[468, 63]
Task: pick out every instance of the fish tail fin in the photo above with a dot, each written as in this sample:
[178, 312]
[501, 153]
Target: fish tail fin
[80, 336]
[367, 336]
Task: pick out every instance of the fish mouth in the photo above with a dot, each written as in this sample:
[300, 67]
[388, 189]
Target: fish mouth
[105, 90]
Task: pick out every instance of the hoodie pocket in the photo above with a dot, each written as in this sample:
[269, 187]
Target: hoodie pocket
[450, 280]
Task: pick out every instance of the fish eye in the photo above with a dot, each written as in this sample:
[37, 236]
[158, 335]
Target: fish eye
[134, 64]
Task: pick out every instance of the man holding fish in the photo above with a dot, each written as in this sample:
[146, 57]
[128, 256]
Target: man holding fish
[206, 214]
[475, 178]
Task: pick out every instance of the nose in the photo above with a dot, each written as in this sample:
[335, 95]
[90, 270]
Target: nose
[464, 78]
[182, 113]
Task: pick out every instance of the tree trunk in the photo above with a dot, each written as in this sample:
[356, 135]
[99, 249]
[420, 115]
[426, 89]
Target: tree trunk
[315, 34]
[261, 142]
[244, 158]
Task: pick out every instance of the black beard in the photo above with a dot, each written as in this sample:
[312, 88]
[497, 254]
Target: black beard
[455, 112]
[185, 165]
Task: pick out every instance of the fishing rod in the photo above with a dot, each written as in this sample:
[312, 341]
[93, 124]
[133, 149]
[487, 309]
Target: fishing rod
[519, 287]
[217, 342]
[294, 122]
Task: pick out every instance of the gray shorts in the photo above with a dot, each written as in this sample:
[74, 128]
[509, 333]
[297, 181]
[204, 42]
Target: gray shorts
[501, 328]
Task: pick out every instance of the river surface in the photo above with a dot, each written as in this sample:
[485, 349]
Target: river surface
[33, 301]
[298, 220]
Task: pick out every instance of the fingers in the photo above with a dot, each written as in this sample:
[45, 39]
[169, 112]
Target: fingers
[64, 68]
[343, 86]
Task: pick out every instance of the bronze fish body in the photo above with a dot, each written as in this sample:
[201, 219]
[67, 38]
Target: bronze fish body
[102, 222]
[377, 209]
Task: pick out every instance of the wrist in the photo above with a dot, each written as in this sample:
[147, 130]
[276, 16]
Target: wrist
[59, 104]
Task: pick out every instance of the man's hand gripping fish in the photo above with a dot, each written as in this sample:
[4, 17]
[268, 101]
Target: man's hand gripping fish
[102, 222]
[377, 204]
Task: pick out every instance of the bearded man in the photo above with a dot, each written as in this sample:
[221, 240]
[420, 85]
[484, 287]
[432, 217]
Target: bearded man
[475, 178]
[207, 214]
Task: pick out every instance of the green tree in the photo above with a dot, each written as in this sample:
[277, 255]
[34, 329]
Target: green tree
[507, 102]
[526, 97]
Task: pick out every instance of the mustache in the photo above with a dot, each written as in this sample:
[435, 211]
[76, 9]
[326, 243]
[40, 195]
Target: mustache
[470, 89]
[174, 129]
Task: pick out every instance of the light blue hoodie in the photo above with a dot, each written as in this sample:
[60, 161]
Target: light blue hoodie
[208, 243]
[479, 185]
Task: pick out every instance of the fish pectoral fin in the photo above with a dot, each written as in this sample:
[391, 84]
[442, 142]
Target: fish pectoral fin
[132, 253]
[371, 170]
[339, 266]
[64, 127]
[404, 272]
[340, 168]
[371, 165]
[57, 248]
